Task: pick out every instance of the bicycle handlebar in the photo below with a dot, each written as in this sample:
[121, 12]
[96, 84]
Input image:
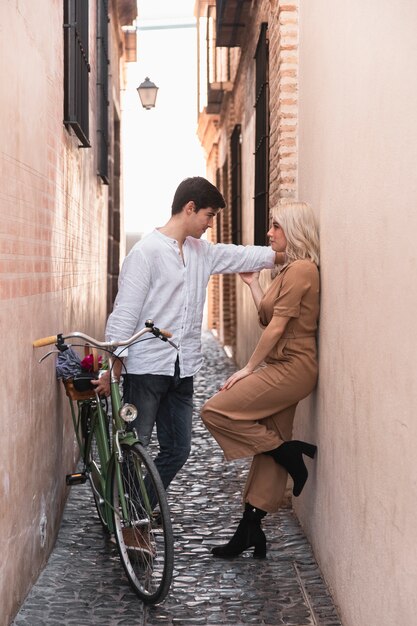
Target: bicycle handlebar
[45, 341]
[149, 328]
[165, 333]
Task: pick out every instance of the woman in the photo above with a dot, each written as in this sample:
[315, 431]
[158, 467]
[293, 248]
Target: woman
[253, 413]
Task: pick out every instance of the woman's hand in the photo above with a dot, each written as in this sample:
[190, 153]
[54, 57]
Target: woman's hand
[245, 371]
[249, 277]
[252, 280]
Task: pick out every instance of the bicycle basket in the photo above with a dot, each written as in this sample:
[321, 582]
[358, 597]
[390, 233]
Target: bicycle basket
[79, 387]
[74, 388]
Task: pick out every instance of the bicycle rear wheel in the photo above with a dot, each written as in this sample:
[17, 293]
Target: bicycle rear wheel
[144, 539]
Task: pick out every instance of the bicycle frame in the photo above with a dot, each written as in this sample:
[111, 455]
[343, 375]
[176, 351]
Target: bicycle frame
[108, 454]
[129, 495]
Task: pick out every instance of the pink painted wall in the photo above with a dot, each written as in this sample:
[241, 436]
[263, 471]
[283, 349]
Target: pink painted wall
[357, 166]
[53, 266]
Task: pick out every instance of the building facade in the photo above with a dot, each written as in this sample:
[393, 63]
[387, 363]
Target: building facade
[316, 101]
[62, 69]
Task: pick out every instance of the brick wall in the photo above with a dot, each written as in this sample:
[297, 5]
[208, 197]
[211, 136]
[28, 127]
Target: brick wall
[233, 312]
[53, 276]
[283, 85]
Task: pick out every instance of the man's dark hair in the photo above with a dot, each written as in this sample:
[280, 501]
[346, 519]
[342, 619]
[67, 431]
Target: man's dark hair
[197, 190]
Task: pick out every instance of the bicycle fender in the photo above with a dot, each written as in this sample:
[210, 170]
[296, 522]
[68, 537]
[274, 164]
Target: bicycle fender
[128, 438]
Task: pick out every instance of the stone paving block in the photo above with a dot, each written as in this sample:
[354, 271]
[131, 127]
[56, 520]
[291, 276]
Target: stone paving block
[84, 583]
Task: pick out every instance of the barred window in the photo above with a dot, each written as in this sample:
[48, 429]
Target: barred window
[103, 91]
[219, 215]
[261, 205]
[76, 69]
[236, 175]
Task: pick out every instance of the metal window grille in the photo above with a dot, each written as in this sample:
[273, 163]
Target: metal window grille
[232, 17]
[261, 205]
[76, 68]
[219, 213]
[236, 176]
[103, 91]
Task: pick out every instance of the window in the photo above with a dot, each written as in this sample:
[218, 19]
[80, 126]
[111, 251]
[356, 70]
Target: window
[103, 91]
[218, 58]
[261, 139]
[76, 68]
[236, 175]
[219, 67]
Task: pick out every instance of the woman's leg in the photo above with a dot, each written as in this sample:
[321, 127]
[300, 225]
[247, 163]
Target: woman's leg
[237, 417]
[290, 455]
[248, 534]
[266, 481]
[254, 416]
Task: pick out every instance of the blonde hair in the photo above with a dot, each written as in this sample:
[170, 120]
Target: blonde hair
[299, 224]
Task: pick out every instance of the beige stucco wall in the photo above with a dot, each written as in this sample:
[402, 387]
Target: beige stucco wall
[357, 166]
[352, 108]
[53, 265]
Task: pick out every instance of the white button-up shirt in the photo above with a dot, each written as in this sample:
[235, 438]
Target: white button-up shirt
[157, 283]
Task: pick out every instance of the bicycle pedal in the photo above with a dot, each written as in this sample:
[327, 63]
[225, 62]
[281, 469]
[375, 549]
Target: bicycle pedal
[76, 479]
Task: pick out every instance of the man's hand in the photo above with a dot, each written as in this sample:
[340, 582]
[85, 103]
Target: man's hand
[102, 384]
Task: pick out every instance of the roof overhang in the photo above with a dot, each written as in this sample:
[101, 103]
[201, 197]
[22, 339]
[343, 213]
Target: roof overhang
[127, 11]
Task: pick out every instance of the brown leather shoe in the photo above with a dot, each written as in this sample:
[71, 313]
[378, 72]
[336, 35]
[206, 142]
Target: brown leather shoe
[138, 540]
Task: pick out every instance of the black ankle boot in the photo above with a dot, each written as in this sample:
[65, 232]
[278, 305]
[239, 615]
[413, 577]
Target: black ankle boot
[248, 534]
[290, 455]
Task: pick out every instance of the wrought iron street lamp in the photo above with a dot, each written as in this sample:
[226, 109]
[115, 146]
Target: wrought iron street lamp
[147, 93]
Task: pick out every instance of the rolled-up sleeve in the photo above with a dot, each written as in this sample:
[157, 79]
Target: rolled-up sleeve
[228, 258]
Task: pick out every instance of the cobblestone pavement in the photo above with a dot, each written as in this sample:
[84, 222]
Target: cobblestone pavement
[84, 584]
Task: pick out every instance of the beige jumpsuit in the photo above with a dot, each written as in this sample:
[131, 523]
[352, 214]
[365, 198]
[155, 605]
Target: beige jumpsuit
[257, 413]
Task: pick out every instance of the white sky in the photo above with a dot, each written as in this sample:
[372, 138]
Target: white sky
[160, 145]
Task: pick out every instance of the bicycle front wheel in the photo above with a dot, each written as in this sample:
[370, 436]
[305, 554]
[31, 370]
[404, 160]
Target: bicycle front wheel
[142, 524]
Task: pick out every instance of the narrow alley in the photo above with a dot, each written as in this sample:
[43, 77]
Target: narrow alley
[83, 583]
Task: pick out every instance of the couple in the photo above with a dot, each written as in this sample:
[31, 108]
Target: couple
[164, 278]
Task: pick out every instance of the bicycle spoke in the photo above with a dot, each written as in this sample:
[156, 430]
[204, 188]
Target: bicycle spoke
[146, 548]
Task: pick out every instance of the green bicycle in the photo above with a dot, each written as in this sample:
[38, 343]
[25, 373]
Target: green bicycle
[129, 495]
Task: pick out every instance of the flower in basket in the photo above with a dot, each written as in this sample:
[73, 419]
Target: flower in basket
[87, 364]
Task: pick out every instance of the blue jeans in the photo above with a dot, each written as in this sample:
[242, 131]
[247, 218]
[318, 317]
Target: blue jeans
[166, 401]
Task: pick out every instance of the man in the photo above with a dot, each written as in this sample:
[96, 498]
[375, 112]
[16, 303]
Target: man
[164, 278]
